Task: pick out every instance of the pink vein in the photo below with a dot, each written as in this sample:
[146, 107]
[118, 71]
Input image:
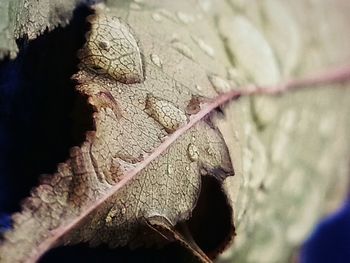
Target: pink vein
[335, 75]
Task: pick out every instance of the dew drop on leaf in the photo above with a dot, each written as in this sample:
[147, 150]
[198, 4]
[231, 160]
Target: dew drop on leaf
[156, 60]
[198, 87]
[205, 5]
[165, 113]
[236, 75]
[156, 17]
[112, 49]
[183, 49]
[185, 18]
[192, 152]
[104, 45]
[170, 169]
[169, 15]
[206, 48]
[135, 6]
[219, 84]
[209, 151]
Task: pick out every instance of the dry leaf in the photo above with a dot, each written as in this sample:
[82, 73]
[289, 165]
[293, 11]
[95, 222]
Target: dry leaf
[137, 105]
[147, 84]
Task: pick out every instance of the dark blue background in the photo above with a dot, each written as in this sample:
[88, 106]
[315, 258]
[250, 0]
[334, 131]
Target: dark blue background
[330, 241]
[37, 129]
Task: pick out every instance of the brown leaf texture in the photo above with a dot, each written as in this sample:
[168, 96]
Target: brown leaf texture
[137, 105]
[29, 19]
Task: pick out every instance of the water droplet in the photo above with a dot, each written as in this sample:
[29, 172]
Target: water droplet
[109, 218]
[167, 14]
[219, 84]
[327, 124]
[123, 210]
[166, 113]
[157, 17]
[170, 169]
[250, 47]
[200, 88]
[156, 60]
[235, 75]
[208, 50]
[104, 45]
[209, 151]
[183, 49]
[232, 73]
[205, 5]
[192, 152]
[203, 171]
[174, 37]
[135, 6]
[187, 168]
[185, 18]
[112, 49]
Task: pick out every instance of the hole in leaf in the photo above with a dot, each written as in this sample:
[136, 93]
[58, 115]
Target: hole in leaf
[210, 224]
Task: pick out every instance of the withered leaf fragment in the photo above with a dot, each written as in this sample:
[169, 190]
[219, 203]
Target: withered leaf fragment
[137, 105]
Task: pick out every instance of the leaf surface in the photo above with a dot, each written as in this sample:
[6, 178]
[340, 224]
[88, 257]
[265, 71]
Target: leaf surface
[28, 19]
[141, 95]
